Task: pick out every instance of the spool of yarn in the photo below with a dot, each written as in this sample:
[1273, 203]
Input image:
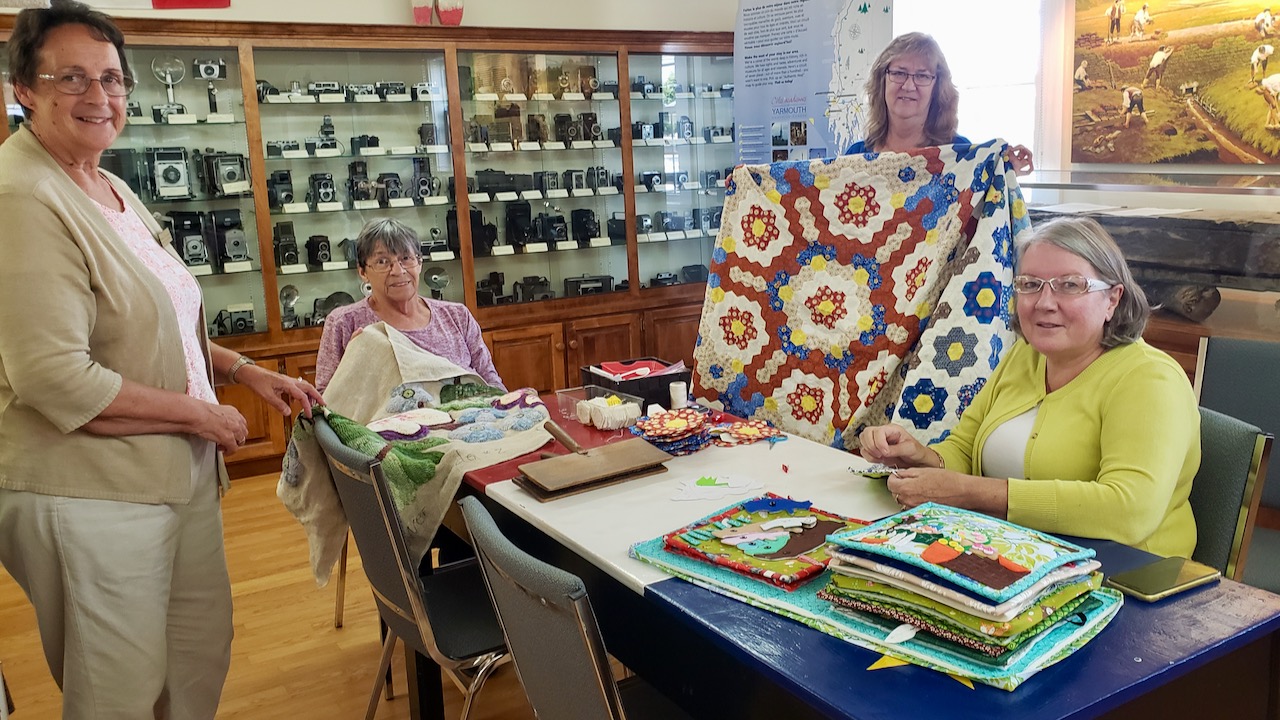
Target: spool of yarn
[679, 395]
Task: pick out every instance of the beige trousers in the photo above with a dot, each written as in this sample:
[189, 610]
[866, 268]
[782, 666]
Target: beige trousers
[133, 601]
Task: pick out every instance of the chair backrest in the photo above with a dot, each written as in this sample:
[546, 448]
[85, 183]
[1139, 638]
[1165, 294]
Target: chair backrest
[1227, 489]
[1239, 378]
[549, 625]
[379, 536]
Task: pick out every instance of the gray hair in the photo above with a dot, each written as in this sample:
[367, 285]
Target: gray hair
[1086, 239]
[392, 235]
[33, 25]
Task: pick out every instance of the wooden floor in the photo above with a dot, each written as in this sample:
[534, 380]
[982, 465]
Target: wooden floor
[287, 659]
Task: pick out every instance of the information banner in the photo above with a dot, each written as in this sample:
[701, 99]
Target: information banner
[799, 71]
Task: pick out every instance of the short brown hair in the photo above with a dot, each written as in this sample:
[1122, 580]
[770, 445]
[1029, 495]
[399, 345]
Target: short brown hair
[940, 126]
[33, 25]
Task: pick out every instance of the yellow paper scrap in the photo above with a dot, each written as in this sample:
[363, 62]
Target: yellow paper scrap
[887, 662]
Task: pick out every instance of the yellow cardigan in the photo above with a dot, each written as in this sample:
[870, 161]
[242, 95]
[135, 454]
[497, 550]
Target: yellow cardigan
[1112, 453]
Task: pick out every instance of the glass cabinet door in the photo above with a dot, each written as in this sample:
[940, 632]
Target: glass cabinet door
[682, 138]
[185, 152]
[544, 175]
[351, 136]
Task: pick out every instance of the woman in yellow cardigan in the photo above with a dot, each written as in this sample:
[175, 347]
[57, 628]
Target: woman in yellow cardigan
[1083, 428]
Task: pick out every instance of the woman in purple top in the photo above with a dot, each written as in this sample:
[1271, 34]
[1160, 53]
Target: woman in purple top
[389, 260]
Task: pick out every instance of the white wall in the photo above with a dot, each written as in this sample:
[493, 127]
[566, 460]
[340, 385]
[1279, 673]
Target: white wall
[699, 15]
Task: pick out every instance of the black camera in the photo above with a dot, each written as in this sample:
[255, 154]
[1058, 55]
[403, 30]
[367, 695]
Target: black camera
[662, 279]
[680, 178]
[546, 180]
[574, 180]
[609, 86]
[617, 226]
[653, 181]
[187, 229]
[642, 130]
[490, 290]
[160, 113]
[220, 171]
[712, 132]
[684, 128]
[209, 69]
[385, 88]
[641, 84]
[168, 175]
[537, 130]
[519, 223]
[588, 285]
[355, 90]
[494, 181]
[567, 129]
[276, 148]
[550, 228]
[483, 234]
[359, 186]
[432, 242]
[319, 250]
[666, 221]
[234, 320]
[424, 184]
[326, 87]
[694, 273]
[321, 189]
[279, 188]
[712, 178]
[599, 177]
[533, 288]
[320, 143]
[133, 108]
[707, 219]
[585, 226]
[285, 244]
[363, 141]
[590, 124]
[347, 250]
[389, 187]
[229, 238]
[470, 187]
[427, 133]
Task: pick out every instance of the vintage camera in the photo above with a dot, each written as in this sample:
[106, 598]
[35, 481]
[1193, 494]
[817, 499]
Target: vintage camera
[667, 221]
[168, 173]
[494, 181]
[424, 184]
[662, 279]
[566, 128]
[712, 178]
[359, 186]
[617, 226]
[590, 124]
[319, 250]
[264, 89]
[684, 128]
[711, 132]
[124, 163]
[477, 131]
[641, 130]
[533, 288]
[188, 233]
[133, 108]
[641, 84]
[588, 83]
[389, 187]
[694, 273]
[537, 130]
[219, 170]
[574, 180]
[585, 226]
[653, 181]
[321, 189]
[707, 219]
[588, 285]
[160, 113]
[279, 188]
[363, 141]
[347, 250]
[504, 131]
[609, 86]
[323, 86]
[209, 69]
[598, 177]
[614, 135]
[680, 179]
[519, 223]
[432, 242]
[276, 148]
[483, 234]
[355, 90]
[489, 291]
[550, 228]
[470, 183]
[644, 224]
[385, 88]
[546, 180]
[285, 244]
[313, 144]
[228, 233]
[427, 133]
[234, 320]
[421, 91]
[726, 90]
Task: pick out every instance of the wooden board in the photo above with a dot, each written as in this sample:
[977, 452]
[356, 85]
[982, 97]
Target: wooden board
[544, 496]
[619, 461]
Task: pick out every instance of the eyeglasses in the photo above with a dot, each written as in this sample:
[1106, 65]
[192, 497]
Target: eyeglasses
[1065, 285]
[899, 77]
[382, 263]
[74, 83]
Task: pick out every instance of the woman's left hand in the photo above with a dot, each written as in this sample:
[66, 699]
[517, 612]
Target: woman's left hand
[278, 390]
[914, 486]
[1021, 159]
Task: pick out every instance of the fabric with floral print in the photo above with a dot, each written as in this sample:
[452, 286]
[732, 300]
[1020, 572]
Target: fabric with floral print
[826, 281]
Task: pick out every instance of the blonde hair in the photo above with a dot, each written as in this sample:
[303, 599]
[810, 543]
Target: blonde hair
[940, 126]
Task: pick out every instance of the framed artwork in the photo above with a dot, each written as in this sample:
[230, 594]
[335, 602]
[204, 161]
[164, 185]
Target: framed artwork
[1175, 81]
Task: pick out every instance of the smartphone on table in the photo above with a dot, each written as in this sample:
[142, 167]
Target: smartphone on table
[1164, 577]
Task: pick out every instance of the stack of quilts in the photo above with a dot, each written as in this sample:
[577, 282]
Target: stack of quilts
[678, 432]
[969, 588]
[745, 432]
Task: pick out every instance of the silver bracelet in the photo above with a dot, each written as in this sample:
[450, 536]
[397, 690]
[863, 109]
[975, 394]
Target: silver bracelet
[235, 367]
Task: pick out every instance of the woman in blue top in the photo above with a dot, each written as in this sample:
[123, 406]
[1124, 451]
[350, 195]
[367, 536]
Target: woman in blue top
[913, 102]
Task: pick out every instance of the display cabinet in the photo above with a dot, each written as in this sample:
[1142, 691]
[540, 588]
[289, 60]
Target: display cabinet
[544, 181]
[349, 136]
[682, 132]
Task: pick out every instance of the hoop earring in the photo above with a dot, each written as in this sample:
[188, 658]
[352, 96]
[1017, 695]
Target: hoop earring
[366, 289]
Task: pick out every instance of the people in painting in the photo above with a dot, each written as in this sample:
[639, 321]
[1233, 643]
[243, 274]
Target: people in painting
[1258, 62]
[1141, 20]
[1155, 68]
[389, 261]
[912, 102]
[1263, 23]
[1082, 75]
[1131, 102]
[1083, 428]
[1114, 13]
[1269, 88]
[110, 431]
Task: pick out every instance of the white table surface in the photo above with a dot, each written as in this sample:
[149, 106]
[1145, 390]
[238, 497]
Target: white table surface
[601, 525]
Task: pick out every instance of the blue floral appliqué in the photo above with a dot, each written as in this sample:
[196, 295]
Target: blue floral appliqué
[955, 352]
[1003, 251]
[878, 326]
[941, 192]
[907, 174]
[924, 403]
[716, 371]
[735, 404]
[984, 298]
[967, 393]
[997, 349]
[476, 433]
[873, 270]
[780, 280]
[994, 199]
